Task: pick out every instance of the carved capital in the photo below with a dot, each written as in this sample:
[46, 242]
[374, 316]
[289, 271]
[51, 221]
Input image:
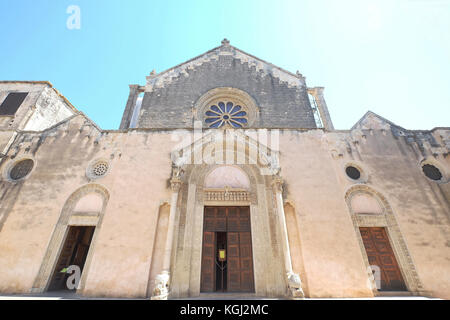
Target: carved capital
[277, 184]
[175, 184]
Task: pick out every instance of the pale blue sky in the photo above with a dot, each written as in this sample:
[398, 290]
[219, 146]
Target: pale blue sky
[391, 57]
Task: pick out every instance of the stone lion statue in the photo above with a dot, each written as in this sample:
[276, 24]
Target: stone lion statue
[295, 285]
[161, 290]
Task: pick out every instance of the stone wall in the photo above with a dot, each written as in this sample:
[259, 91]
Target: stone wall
[312, 165]
[169, 98]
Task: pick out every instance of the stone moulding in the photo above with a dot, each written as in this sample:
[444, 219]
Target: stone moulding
[226, 194]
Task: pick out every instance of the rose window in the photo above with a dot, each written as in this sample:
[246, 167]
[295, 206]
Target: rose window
[222, 114]
[100, 168]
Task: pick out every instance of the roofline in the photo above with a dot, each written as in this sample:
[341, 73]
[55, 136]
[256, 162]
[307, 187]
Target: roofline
[48, 83]
[28, 81]
[216, 48]
[377, 115]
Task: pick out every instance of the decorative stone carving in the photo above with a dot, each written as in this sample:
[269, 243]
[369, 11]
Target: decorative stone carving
[97, 168]
[161, 290]
[277, 184]
[227, 94]
[295, 285]
[177, 171]
[226, 195]
[175, 184]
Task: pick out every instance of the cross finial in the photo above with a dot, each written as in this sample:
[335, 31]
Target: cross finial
[225, 42]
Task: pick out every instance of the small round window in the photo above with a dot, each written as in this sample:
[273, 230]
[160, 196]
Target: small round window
[21, 169]
[100, 169]
[226, 114]
[432, 172]
[353, 173]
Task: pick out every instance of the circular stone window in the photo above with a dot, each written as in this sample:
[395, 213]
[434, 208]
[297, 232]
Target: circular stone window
[432, 172]
[97, 169]
[21, 169]
[225, 114]
[353, 172]
[100, 168]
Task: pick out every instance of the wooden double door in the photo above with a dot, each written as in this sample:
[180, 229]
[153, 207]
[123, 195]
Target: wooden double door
[379, 252]
[227, 228]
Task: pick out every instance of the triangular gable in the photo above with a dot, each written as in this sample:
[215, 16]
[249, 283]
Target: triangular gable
[74, 117]
[371, 120]
[161, 79]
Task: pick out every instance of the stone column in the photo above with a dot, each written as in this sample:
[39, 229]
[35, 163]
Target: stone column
[161, 290]
[317, 93]
[293, 279]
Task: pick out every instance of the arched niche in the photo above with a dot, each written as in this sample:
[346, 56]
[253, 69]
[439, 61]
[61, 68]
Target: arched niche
[92, 202]
[365, 203]
[227, 177]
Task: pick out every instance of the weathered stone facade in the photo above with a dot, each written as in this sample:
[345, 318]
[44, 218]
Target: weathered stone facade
[147, 199]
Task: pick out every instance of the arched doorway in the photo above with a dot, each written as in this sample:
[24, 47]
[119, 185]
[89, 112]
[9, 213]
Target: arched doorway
[227, 260]
[73, 238]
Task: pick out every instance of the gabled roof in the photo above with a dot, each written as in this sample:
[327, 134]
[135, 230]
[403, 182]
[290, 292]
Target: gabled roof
[367, 121]
[47, 83]
[164, 77]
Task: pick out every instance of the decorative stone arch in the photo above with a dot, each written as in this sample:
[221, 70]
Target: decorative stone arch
[225, 94]
[243, 148]
[69, 217]
[386, 219]
[269, 269]
[271, 258]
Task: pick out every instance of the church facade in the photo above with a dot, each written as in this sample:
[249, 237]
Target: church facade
[225, 176]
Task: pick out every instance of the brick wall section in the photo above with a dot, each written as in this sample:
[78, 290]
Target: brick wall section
[280, 106]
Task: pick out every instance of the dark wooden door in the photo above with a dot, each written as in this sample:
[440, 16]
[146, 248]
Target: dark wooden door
[208, 275]
[74, 252]
[233, 262]
[65, 256]
[240, 262]
[235, 221]
[379, 253]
